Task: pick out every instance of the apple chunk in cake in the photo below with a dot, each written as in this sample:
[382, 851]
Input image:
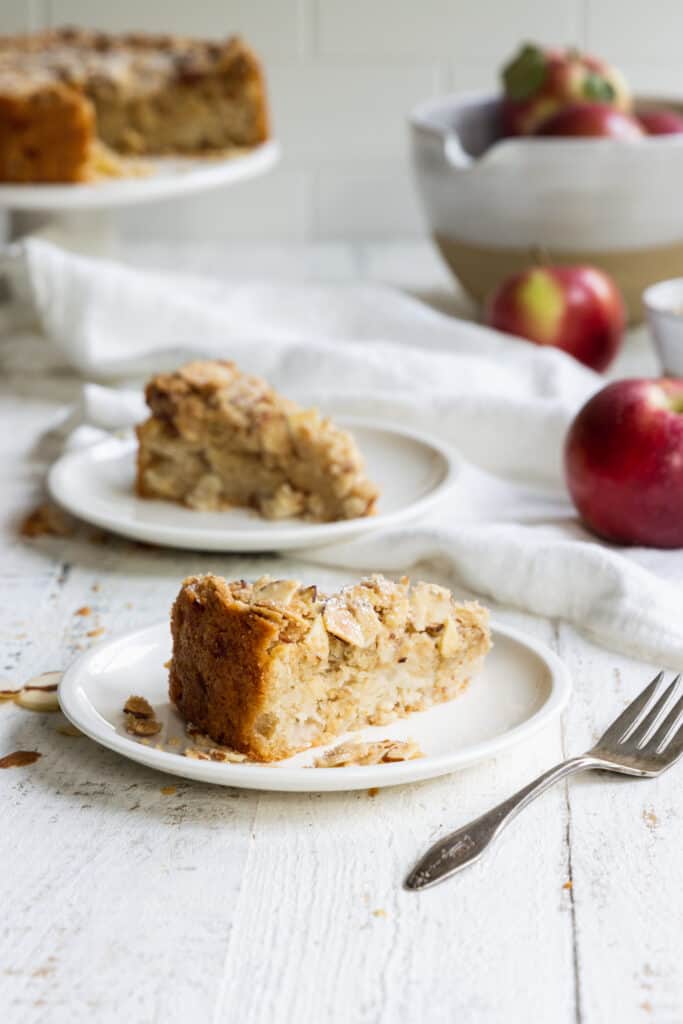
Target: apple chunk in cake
[271, 668]
[218, 437]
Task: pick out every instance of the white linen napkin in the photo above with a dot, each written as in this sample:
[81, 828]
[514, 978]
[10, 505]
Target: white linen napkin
[372, 351]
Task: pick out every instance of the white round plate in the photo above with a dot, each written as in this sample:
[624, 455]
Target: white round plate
[521, 688]
[170, 176]
[96, 484]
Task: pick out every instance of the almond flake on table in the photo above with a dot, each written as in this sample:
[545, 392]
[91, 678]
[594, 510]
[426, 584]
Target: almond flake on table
[19, 759]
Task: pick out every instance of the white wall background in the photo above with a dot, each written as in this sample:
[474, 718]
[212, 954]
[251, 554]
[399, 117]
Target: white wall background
[343, 74]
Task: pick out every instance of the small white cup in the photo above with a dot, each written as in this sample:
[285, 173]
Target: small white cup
[664, 307]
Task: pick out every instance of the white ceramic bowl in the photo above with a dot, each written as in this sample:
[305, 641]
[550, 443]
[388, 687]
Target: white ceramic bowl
[664, 307]
[494, 204]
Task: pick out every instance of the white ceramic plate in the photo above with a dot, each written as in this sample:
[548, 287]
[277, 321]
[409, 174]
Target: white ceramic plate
[521, 688]
[96, 484]
[170, 176]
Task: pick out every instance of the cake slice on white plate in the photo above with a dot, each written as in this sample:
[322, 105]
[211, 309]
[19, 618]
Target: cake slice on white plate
[217, 438]
[272, 667]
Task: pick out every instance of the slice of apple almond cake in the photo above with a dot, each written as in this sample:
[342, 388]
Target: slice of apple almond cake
[272, 667]
[218, 437]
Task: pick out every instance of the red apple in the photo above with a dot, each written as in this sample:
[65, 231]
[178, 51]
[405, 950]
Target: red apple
[538, 82]
[591, 119]
[661, 122]
[624, 462]
[577, 309]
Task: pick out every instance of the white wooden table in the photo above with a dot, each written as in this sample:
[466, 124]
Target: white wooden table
[124, 900]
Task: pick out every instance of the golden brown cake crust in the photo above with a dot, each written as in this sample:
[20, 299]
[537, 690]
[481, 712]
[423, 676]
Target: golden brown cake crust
[45, 135]
[217, 675]
[136, 93]
[219, 438]
[271, 668]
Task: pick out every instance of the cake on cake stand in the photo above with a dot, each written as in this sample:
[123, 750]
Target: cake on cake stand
[85, 213]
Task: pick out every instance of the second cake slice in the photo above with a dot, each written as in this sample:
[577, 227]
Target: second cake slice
[218, 437]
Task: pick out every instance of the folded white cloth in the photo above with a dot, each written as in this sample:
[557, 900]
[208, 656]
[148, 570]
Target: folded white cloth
[369, 350]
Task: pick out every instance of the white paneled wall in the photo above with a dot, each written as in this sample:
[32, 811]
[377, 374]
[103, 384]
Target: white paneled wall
[343, 74]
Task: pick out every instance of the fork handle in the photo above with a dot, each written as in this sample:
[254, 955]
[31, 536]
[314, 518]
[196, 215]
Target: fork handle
[466, 845]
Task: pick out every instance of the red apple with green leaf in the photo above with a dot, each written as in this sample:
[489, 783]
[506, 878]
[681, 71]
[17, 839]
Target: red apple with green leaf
[596, 120]
[578, 309]
[624, 462]
[538, 82]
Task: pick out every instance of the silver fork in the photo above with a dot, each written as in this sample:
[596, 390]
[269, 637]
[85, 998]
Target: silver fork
[645, 740]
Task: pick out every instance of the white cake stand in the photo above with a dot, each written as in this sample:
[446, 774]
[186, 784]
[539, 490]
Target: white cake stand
[85, 212]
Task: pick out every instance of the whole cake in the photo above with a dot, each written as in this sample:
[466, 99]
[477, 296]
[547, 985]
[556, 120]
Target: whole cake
[218, 437]
[62, 92]
[271, 668]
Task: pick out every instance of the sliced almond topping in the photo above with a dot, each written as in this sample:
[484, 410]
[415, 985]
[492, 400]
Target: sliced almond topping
[142, 726]
[268, 612]
[366, 617]
[138, 707]
[317, 640]
[430, 605]
[208, 747]
[450, 639]
[224, 754]
[402, 750]
[279, 591]
[360, 753]
[341, 623]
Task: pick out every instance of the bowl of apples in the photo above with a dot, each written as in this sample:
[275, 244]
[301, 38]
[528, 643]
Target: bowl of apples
[564, 164]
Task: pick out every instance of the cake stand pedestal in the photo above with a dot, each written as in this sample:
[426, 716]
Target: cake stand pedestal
[83, 217]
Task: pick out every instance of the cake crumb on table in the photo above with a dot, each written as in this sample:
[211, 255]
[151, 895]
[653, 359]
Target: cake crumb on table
[45, 521]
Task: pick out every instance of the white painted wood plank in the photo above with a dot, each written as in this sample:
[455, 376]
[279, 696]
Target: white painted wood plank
[626, 840]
